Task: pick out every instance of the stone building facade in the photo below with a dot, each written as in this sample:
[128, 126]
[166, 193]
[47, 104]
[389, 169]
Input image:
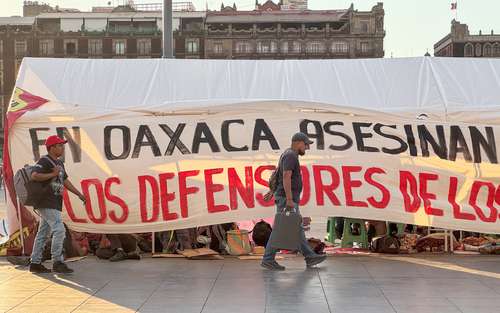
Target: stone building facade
[461, 43]
[269, 32]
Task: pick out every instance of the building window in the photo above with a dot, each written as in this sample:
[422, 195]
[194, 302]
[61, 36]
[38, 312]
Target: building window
[119, 47]
[365, 47]
[263, 47]
[70, 47]
[469, 50]
[144, 47]
[95, 47]
[1, 48]
[364, 27]
[315, 47]
[267, 47]
[487, 52]
[192, 46]
[340, 47]
[20, 48]
[274, 47]
[478, 50]
[297, 47]
[218, 48]
[284, 47]
[496, 49]
[46, 47]
[243, 47]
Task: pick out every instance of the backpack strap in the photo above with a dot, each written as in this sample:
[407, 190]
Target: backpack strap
[279, 161]
[54, 165]
[49, 159]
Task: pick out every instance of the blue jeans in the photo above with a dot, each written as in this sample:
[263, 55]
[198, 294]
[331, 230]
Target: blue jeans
[304, 248]
[50, 222]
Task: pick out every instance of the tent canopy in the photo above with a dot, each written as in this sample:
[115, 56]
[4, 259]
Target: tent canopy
[441, 86]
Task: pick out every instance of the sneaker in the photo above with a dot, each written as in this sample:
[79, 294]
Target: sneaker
[133, 256]
[60, 267]
[272, 265]
[19, 260]
[315, 260]
[120, 255]
[39, 269]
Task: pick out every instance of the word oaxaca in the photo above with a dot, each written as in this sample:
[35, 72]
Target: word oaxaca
[448, 142]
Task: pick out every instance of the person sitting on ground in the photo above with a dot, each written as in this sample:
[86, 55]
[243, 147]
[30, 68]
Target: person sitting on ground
[118, 247]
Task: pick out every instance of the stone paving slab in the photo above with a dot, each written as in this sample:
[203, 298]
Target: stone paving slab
[344, 284]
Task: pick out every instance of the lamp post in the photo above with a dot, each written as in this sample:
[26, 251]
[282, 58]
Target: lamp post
[167, 30]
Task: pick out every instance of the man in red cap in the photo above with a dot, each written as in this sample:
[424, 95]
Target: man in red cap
[49, 170]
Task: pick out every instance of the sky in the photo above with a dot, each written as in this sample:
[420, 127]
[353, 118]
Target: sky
[412, 26]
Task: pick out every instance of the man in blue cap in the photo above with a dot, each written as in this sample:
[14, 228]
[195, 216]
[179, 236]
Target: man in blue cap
[287, 195]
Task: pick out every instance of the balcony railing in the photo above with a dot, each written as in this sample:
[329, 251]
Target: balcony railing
[218, 32]
[243, 32]
[139, 32]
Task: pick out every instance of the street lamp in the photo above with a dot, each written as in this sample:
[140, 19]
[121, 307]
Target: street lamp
[167, 30]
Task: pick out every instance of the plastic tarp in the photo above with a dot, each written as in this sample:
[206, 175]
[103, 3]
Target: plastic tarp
[449, 88]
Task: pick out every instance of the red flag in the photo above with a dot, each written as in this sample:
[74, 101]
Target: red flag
[454, 6]
[22, 102]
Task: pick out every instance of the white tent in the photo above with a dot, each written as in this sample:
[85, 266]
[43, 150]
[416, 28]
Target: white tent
[416, 92]
[426, 85]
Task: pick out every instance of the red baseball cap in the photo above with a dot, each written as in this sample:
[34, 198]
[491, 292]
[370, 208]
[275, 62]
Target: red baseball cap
[54, 140]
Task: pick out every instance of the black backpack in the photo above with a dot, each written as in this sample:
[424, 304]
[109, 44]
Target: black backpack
[261, 233]
[386, 244]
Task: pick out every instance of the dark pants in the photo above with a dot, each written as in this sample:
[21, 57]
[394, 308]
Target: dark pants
[126, 242]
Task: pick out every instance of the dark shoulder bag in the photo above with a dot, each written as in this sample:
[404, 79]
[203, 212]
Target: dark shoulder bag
[273, 180]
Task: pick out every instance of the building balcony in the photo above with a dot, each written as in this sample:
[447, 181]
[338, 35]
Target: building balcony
[267, 53]
[317, 53]
[267, 31]
[191, 33]
[315, 30]
[240, 53]
[290, 53]
[218, 32]
[218, 55]
[134, 32]
[290, 33]
[242, 31]
[95, 33]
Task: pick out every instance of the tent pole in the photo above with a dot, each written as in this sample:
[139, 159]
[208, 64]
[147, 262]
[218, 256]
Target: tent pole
[21, 230]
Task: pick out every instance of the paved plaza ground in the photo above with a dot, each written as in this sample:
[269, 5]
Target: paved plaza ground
[365, 284]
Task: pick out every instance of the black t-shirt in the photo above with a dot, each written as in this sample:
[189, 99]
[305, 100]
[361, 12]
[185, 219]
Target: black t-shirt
[54, 197]
[289, 162]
